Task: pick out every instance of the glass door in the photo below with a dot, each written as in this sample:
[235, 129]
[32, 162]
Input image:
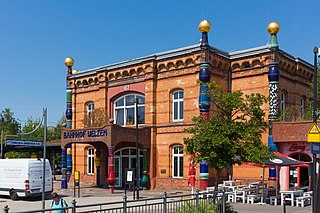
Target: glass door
[117, 171]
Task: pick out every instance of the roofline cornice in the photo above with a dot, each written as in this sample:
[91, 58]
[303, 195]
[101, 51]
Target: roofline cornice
[183, 51]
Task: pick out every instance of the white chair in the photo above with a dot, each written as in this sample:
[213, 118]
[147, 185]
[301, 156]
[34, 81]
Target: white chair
[273, 200]
[251, 198]
[230, 197]
[301, 201]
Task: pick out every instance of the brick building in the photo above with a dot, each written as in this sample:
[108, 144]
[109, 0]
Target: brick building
[162, 90]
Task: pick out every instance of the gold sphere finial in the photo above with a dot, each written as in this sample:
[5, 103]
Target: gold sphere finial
[204, 26]
[74, 72]
[69, 62]
[273, 28]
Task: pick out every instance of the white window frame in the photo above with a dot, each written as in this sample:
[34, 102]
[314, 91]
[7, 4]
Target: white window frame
[178, 156]
[302, 105]
[126, 107]
[90, 111]
[90, 161]
[283, 104]
[178, 108]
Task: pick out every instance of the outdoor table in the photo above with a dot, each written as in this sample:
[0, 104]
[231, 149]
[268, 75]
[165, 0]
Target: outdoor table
[233, 188]
[231, 182]
[290, 196]
[307, 194]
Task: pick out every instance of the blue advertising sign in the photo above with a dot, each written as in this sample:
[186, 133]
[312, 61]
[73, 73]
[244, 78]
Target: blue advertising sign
[315, 148]
[23, 143]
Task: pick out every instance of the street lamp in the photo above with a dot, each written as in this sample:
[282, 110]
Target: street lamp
[137, 149]
[2, 136]
[315, 186]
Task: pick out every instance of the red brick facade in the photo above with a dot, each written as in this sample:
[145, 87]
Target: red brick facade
[157, 77]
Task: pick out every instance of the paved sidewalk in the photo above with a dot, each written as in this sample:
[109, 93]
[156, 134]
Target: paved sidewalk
[90, 195]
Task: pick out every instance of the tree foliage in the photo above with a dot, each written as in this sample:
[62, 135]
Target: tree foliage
[53, 133]
[10, 125]
[96, 118]
[233, 133]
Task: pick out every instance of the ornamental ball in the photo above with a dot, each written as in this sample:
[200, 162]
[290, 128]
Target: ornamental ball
[204, 26]
[74, 72]
[69, 62]
[273, 28]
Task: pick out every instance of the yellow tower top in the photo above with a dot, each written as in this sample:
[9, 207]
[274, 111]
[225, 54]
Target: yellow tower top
[204, 26]
[273, 28]
[69, 62]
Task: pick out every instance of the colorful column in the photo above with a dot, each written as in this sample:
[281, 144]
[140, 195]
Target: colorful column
[66, 153]
[204, 99]
[111, 181]
[69, 162]
[273, 76]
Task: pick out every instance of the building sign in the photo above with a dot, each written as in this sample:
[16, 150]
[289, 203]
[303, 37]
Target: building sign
[297, 147]
[23, 143]
[84, 133]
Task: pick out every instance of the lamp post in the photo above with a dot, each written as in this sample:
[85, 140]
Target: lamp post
[315, 185]
[44, 157]
[2, 136]
[137, 150]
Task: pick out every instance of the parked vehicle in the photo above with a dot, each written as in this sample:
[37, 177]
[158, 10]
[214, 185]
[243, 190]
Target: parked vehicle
[23, 177]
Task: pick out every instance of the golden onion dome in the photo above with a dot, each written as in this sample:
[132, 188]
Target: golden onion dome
[74, 72]
[204, 26]
[69, 62]
[273, 28]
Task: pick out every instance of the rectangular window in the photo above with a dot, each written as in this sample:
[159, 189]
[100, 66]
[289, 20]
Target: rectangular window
[177, 106]
[120, 116]
[283, 104]
[90, 162]
[302, 107]
[177, 161]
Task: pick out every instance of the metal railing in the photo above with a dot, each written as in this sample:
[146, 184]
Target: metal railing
[201, 200]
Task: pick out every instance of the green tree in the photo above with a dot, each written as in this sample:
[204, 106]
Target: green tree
[10, 125]
[232, 134]
[308, 115]
[97, 118]
[53, 133]
[30, 126]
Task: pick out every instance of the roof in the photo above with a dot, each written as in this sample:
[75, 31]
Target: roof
[183, 51]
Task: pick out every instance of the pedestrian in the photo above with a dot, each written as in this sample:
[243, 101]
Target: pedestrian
[58, 202]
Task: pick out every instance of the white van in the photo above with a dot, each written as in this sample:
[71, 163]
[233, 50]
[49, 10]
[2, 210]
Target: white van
[23, 177]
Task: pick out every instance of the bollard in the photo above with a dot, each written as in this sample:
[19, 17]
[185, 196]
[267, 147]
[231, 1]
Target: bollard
[284, 204]
[197, 201]
[223, 200]
[74, 202]
[165, 202]
[6, 209]
[125, 203]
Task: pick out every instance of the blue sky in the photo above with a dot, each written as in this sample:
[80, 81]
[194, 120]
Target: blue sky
[36, 36]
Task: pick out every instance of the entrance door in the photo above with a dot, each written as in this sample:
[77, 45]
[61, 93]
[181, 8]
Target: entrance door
[125, 159]
[117, 171]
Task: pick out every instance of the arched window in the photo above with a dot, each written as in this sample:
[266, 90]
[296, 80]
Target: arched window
[283, 104]
[302, 106]
[177, 161]
[90, 161]
[177, 105]
[89, 116]
[126, 107]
